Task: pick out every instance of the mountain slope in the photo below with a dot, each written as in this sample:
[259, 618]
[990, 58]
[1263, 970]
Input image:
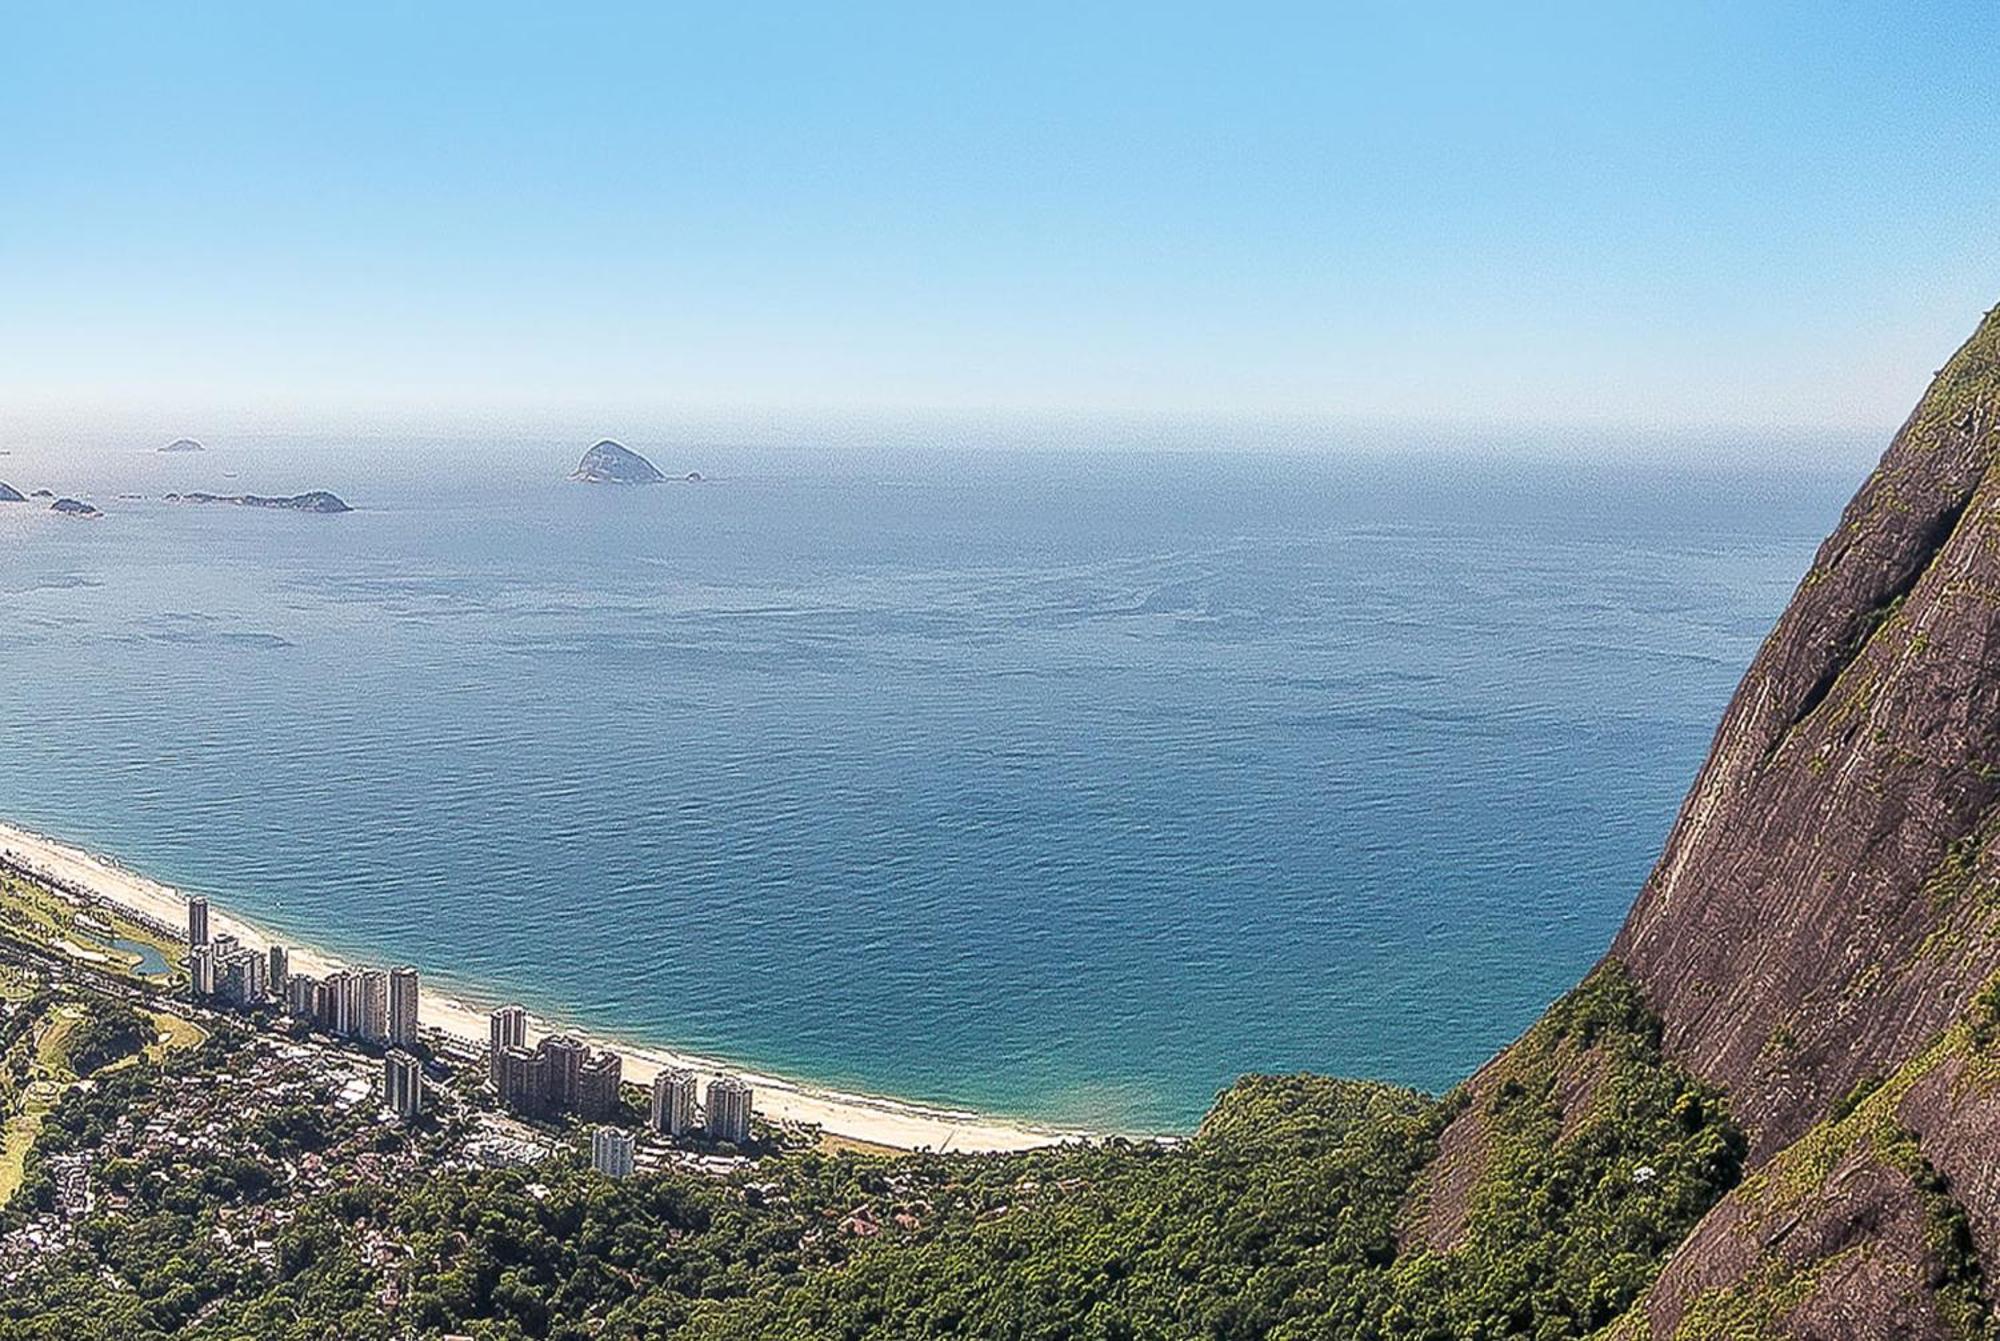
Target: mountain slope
[1826, 907]
[1825, 903]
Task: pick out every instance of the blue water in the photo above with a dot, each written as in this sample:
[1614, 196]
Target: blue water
[1062, 785]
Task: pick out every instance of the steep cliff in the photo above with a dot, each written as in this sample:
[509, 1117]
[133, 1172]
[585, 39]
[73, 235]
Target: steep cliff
[1825, 904]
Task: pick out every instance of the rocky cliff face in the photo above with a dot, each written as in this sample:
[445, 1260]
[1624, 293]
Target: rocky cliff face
[1824, 905]
[1822, 930]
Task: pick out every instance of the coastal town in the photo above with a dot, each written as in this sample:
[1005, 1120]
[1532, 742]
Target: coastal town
[268, 1087]
[160, 918]
[154, 1076]
[303, 1082]
[560, 1078]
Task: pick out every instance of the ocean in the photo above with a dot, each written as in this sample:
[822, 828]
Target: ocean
[1065, 785]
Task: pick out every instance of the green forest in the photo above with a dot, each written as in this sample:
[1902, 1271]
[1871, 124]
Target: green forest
[1303, 1207]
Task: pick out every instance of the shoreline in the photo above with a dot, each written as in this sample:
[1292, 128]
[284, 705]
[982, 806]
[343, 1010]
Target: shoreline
[877, 1120]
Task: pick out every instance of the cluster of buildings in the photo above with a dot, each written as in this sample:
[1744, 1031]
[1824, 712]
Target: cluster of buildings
[725, 1117]
[216, 1108]
[563, 1075]
[374, 1005]
[559, 1076]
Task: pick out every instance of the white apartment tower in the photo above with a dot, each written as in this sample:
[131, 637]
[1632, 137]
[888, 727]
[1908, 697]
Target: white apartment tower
[374, 1006]
[506, 1028]
[611, 1152]
[201, 969]
[343, 989]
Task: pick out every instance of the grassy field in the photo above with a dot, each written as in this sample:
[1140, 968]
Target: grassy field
[48, 1076]
[16, 1139]
[37, 913]
[174, 1033]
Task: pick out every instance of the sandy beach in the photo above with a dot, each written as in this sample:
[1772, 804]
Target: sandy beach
[888, 1122]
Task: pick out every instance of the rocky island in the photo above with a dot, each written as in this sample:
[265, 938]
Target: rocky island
[610, 463]
[9, 494]
[183, 445]
[74, 507]
[318, 500]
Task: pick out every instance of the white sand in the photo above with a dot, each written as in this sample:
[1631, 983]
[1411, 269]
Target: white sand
[889, 1122]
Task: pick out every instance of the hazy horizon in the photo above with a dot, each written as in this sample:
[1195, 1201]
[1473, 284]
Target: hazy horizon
[776, 436]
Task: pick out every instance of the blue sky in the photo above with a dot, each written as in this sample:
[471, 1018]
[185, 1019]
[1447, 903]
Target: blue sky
[1623, 214]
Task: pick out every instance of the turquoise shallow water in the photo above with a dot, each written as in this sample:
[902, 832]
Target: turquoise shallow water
[1065, 786]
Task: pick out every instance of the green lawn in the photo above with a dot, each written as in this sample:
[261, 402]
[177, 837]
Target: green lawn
[39, 914]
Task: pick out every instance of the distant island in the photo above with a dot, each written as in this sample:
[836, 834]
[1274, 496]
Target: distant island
[72, 507]
[610, 463]
[9, 494]
[318, 500]
[42, 493]
[183, 445]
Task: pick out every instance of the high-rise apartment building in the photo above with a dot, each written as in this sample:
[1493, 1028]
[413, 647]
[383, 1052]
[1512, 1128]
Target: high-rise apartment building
[197, 921]
[402, 1007]
[597, 1085]
[403, 1085]
[562, 1061]
[201, 969]
[374, 1006]
[517, 1076]
[506, 1028]
[342, 1013]
[302, 993]
[239, 978]
[728, 1116]
[611, 1152]
[673, 1102]
[281, 969]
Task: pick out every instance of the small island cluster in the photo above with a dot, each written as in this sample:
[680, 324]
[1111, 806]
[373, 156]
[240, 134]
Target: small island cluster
[316, 500]
[607, 462]
[559, 1078]
[66, 507]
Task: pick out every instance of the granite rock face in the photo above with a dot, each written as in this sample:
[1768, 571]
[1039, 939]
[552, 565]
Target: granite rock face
[1824, 905]
[610, 463]
[1822, 929]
